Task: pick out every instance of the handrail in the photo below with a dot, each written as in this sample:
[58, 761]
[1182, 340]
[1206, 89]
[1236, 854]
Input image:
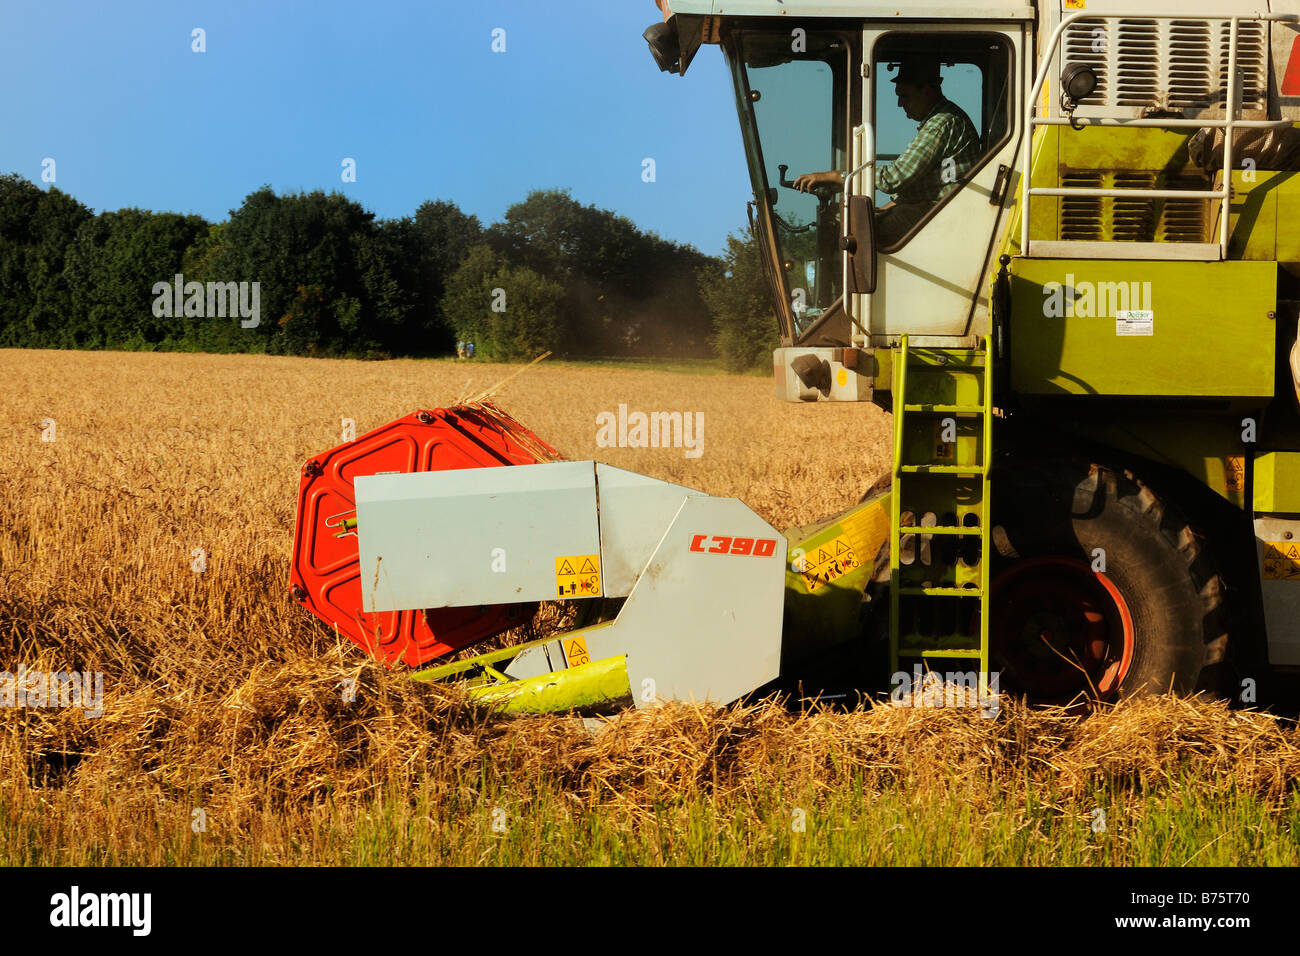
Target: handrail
[1228, 123]
[865, 132]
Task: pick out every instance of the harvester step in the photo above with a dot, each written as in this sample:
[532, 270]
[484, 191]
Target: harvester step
[917, 650]
[973, 531]
[946, 409]
[942, 592]
[958, 362]
[906, 651]
[941, 469]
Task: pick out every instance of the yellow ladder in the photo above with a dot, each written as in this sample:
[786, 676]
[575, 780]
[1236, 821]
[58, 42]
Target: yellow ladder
[939, 509]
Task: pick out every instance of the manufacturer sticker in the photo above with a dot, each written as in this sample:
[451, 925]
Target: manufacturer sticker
[577, 576]
[721, 544]
[1282, 560]
[828, 562]
[1135, 322]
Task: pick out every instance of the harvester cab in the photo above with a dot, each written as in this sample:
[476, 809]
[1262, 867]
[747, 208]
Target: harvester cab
[1060, 242]
[1067, 263]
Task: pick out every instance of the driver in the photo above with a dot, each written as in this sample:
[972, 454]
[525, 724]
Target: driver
[945, 148]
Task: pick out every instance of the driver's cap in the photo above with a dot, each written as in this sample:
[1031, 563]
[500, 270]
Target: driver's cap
[918, 71]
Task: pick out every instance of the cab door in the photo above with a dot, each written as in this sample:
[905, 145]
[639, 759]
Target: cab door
[931, 280]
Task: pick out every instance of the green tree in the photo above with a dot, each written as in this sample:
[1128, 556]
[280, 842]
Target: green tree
[37, 229]
[439, 237]
[113, 265]
[745, 326]
[510, 313]
[626, 291]
[326, 275]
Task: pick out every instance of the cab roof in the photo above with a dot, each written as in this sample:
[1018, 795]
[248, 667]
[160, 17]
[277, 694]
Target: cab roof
[864, 9]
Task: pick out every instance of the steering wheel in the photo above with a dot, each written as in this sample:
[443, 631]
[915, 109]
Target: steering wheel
[823, 191]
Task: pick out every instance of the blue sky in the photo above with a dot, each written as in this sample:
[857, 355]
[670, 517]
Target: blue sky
[410, 89]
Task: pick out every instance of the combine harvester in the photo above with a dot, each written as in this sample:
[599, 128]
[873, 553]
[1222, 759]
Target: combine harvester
[1081, 306]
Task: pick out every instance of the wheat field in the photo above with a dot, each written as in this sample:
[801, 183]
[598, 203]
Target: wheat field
[225, 738]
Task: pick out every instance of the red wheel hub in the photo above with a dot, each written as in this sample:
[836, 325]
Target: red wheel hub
[1060, 629]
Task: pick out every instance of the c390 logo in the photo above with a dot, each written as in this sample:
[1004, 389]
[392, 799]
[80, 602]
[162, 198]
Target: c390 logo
[755, 547]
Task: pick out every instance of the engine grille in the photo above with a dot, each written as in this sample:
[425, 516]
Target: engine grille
[1171, 65]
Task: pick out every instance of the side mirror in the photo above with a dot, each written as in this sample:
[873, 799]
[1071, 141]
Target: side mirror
[860, 245]
[674, 42]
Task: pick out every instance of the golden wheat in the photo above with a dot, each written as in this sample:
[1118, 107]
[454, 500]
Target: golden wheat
[222, 693]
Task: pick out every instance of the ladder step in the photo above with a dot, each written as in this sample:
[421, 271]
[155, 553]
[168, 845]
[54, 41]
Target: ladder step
[972, 366]
[941, 469]
[971, 532]
[946, 409]
[906, 651]
[942, 592]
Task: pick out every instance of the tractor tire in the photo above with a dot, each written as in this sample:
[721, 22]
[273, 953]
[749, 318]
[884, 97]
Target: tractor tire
[1100, 590]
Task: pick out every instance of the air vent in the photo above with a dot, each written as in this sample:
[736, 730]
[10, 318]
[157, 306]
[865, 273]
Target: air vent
[1131, 219]
[1083, 217]
[1166, 65]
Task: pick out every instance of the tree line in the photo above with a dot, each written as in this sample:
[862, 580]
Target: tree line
[331, 280]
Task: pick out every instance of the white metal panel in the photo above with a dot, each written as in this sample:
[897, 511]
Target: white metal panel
[1281, 596]
[429, 539]
[634, 513]
[701, 625]
[698, 625]
[1083, 249]
[944, 9]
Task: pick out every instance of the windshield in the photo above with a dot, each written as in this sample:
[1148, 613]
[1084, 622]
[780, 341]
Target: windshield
[793, 88]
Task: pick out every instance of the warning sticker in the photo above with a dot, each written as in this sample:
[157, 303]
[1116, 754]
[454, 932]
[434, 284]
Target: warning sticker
[827, 562]
[1073, 4]
[1282, 560]
[1234, 473]
[577, 575]
[575, 651]
[1135, 322]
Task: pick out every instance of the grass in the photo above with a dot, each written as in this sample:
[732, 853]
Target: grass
[222, 696]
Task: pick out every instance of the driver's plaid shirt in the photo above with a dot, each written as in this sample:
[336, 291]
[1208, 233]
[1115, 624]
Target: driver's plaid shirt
[918, 174]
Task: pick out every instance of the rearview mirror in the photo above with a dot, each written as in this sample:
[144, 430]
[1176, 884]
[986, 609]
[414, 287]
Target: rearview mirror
[859, 244]
[675, 42]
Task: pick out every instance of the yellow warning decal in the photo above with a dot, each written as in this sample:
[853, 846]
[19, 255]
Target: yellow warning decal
[827, 562]
[1073, 4]
[575, 650]
[577, 575]
[1282, 560]
[1234, 473]
[842, 377]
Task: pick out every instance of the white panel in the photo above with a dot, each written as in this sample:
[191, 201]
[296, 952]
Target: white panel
[634, 513]
[700, 625]
[978, 9]
[427, 539]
